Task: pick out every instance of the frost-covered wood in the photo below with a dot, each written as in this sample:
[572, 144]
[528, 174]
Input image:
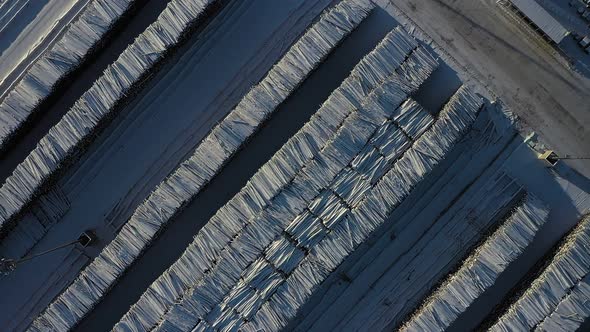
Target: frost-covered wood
[366, 274]
[572, 311]
[481, 269]
[212, 289]
[344, 236]
[302, 233]
[249, 227]
[559, 279]
[82, 36]
[416, 164]
[96, 105]
[209, 157]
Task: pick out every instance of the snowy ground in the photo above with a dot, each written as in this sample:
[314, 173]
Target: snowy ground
[27, 28]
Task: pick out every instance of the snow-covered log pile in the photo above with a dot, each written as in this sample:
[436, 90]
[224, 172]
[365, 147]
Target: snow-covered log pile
[572, 311]
[558, 298]
[78, 41]
[96, 106]
[297, 232]
[351, 227]
[245, 236]
[481, 269]
[414, 272]
[209, 157]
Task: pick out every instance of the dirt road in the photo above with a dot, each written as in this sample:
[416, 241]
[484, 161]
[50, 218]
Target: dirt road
[516, 66]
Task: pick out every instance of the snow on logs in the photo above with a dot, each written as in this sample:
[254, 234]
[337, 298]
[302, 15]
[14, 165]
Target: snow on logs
[557, 299]
[80, 39]
[425, 254]
[347, 232]
[96, 106]
[572, 312]
[209, 157]
[282, 188]
[269, 227]
[481, 269]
